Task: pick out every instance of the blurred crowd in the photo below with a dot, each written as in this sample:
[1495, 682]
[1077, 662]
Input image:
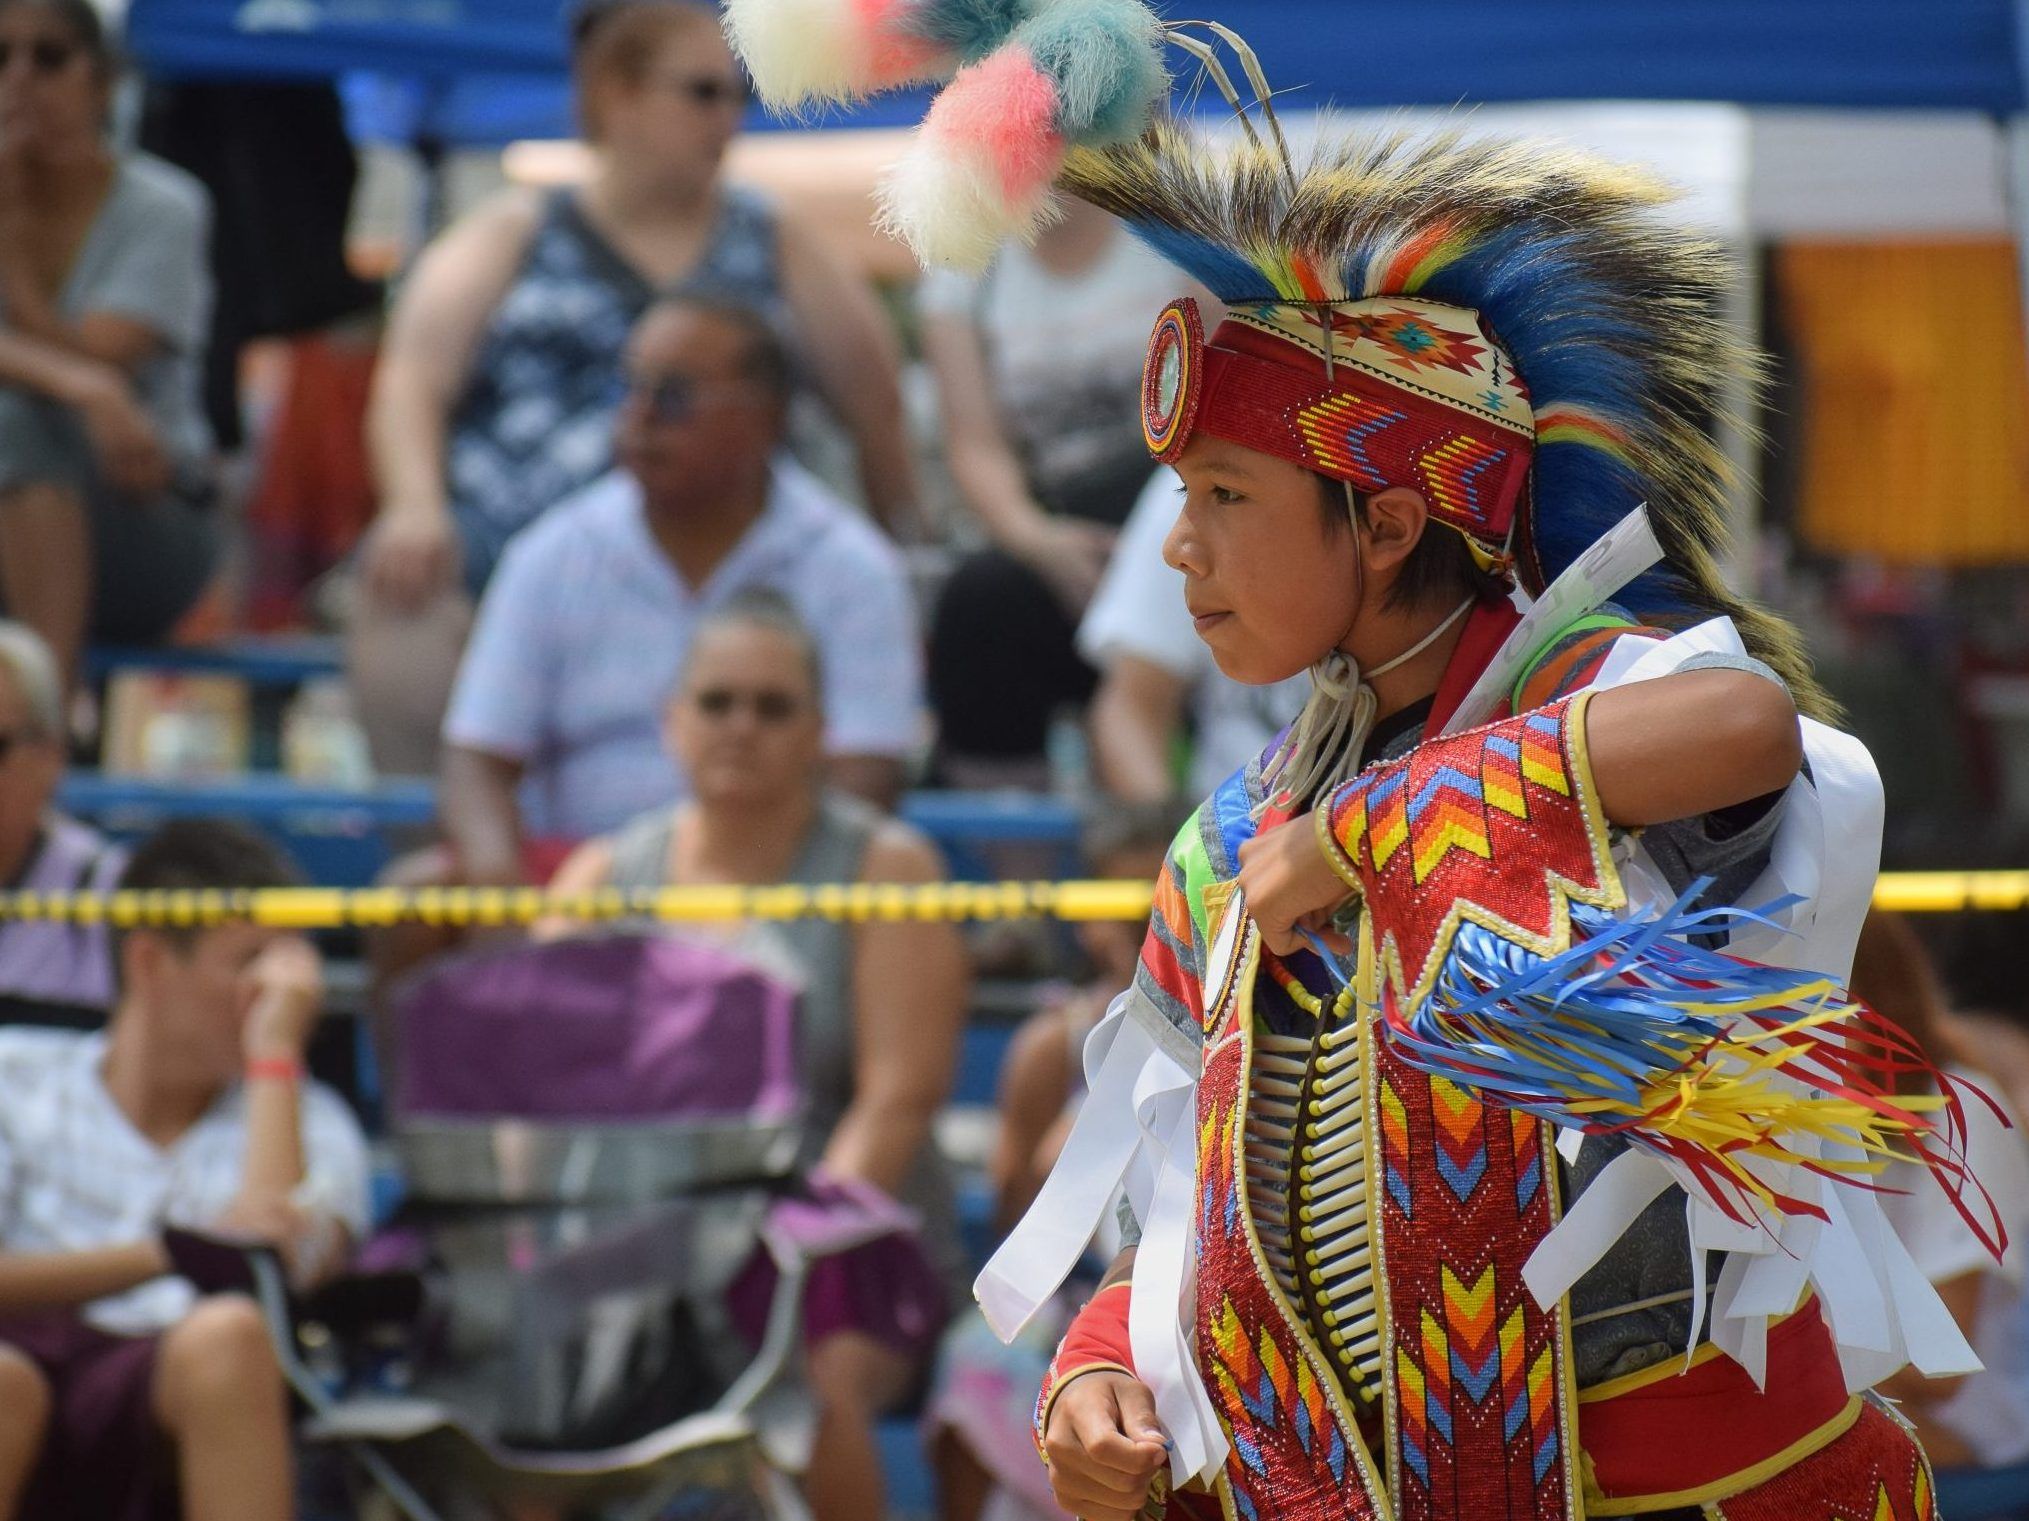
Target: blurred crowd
[620, 602]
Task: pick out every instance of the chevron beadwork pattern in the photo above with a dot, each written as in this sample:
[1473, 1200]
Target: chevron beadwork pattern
[1296, 1449]
[1461, 1141]
[1490, 824]
[1483, 1418]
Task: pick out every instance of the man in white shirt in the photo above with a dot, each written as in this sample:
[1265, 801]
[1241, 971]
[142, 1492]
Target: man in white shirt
[190, 1110]
[1154, 670]
[555, 726]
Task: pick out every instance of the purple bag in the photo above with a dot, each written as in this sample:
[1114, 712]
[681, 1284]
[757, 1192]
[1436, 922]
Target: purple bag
[613, 1028]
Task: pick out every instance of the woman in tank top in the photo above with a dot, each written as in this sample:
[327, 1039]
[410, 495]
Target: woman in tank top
[500, 373]
[883, 1005]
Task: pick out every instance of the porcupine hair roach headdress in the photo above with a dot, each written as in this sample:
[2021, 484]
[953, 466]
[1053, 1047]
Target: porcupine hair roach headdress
[1506, 327]
[1559, 351]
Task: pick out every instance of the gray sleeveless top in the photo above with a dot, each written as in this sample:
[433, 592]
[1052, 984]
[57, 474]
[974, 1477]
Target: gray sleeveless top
[818, 955]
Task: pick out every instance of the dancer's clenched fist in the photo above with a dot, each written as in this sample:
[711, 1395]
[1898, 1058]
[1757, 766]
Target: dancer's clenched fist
[1104, 1445]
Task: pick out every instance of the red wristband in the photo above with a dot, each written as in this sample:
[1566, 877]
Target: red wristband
[1098, 1332]
[280, 1069]
[1096, 1340]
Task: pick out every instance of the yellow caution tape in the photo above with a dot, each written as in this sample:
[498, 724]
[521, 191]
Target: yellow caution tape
[368, 907]
[333, 907]
[1950, 892]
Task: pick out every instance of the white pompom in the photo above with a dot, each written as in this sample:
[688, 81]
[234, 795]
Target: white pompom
[953, 211]
[798, 51]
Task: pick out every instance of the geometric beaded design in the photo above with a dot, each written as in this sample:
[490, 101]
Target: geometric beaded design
[1496, 824]
[1874, 1472]
[1482, 1421]
[1296, 1450]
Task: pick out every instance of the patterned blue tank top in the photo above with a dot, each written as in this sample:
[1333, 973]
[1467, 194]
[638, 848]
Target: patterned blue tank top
[536, 421]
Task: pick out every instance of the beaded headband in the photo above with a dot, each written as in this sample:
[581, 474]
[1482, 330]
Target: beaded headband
[1401, 393]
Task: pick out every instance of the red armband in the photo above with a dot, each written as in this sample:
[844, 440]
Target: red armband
[1096, 1342]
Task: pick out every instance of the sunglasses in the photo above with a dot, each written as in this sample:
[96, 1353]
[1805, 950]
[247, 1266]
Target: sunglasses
[44, 55]
[665, 398]
[677, 398]
[710, 92]
[768, 705]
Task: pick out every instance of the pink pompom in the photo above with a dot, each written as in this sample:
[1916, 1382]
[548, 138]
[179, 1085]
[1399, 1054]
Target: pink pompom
[892, 56]
[1000, 113]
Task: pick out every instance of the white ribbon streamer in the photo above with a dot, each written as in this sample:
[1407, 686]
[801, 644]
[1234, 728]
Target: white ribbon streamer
[1881, 1311]
[1141, 1136]
[1041, 1251]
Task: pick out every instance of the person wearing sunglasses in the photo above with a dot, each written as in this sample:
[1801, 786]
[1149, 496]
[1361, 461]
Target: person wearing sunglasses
[883, 1004]
[554, 732]
[495, 393]
[105, 457]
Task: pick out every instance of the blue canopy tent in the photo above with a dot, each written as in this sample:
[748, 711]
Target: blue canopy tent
[486, 71]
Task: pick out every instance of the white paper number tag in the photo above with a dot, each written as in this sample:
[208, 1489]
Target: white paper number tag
[1615, 558]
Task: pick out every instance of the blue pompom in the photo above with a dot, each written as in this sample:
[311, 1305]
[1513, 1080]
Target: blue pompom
[1106, 59]
[969, 28]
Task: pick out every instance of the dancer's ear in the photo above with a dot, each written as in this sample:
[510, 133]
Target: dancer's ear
[1391, 528]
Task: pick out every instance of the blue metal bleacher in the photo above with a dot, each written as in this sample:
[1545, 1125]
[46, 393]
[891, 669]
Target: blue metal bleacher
[340, 834]
[262, 660]
[335, 831]
[259, 797]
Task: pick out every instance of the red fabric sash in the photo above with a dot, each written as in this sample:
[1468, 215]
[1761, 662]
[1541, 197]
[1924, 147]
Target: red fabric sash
[1636, 1441]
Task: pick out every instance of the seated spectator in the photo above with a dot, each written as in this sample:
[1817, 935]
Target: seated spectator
[554, 731]
[1980, 1421]
[980, 1418]
[555, 728]
[883, 1005]
[1157, 679]
[48, 972]
[1038, 370]
[190, 1110]
[105, 459]
[499, 376]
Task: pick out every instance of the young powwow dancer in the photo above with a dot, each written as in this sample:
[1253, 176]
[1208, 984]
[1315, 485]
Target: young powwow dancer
[1496, 1129]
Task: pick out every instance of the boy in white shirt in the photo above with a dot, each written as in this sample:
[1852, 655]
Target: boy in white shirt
[190, 1109]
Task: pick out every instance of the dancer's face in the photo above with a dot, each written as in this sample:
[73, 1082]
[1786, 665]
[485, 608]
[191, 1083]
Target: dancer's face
[1271, 579]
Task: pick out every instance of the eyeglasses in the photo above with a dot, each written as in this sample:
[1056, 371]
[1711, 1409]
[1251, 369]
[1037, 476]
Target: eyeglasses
[676, 398]
[709, 92]
[665, 398]
[770, 706]
[45, 55]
